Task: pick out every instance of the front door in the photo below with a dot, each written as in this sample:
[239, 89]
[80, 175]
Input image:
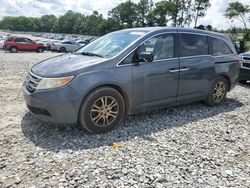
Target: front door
[29, 45]
[156, 83]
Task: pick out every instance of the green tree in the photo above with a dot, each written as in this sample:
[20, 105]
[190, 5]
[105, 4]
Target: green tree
[67, 22]
[209, 28]
[200, 7]
[201, 27]
[143, 9]
[125, 14]
[48, 23]
[160, 14]
[233, 32]
[238, 11]
[179, 12]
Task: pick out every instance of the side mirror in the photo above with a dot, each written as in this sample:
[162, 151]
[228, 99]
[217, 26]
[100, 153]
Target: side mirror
[146, 57]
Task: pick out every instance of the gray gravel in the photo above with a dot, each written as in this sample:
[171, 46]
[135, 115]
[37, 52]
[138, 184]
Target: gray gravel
[185, 146]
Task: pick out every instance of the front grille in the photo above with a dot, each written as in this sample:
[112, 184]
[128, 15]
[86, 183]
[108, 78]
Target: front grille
[246, 58]
[247, 65]
[32, 82]
[246, 62]
[39, 111]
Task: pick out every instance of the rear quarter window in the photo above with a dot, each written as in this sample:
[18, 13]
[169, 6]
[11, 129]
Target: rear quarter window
[193, 45]
[10, 39]
[66, 42]
[20, 40]
[219, 47]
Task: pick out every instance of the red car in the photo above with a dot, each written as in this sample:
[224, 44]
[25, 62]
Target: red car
[14, 44]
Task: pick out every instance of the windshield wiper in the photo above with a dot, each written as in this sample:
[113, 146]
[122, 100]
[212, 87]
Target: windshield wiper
[92, 54]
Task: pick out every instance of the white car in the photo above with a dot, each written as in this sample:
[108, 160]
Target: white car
[1, 44]
[65, 46]
[245, 67]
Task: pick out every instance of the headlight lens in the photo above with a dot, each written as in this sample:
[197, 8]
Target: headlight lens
[49, 83]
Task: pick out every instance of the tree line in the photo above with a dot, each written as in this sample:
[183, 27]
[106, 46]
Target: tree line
[126, 15]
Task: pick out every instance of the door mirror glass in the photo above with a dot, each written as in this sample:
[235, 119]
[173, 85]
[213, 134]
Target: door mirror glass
[146, 57]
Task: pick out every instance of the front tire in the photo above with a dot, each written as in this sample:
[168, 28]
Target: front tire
[102, 110]
[218, 92]
[63, 49]
[13, 49]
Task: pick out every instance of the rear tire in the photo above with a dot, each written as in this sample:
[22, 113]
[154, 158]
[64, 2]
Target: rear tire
[13, 49]
[218, 92]
[102, 110]
[62, 49]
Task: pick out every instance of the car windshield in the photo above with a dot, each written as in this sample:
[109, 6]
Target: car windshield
[112, 44]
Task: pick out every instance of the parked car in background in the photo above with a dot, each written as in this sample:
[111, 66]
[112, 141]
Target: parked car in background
[82, 42]
[37, 35]
[119, 73]
[15, 44]
[1, 44]
[65, 46]
[245, 67]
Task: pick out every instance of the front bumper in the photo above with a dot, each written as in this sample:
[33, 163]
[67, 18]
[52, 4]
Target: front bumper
[59, 105]
[244, 74]
[53, 48]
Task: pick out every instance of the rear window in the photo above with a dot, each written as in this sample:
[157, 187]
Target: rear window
[193, 45]
[219, 47]
[10, 39]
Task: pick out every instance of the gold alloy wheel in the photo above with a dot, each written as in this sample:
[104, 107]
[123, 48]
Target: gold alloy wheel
[104, 111]
[219, 91]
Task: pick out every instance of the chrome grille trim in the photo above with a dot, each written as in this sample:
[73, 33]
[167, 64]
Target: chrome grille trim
[32, 81]
[245, 62]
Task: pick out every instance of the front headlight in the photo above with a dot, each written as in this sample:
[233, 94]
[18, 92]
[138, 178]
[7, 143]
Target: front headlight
[49, 83]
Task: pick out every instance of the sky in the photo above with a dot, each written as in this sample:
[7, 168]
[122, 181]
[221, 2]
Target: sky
[37, 8]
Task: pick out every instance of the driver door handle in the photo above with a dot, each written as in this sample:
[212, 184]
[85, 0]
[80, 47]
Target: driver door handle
[184, 69]
[174, 70]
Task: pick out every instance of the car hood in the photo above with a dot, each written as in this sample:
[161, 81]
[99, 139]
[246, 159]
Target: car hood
[64, 65]
[245, 54]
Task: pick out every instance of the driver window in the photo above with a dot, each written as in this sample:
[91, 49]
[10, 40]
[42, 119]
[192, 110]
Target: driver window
[28, 40]
[161, 46]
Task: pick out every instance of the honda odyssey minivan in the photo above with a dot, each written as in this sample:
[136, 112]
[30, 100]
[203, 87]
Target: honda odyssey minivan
[131, 71]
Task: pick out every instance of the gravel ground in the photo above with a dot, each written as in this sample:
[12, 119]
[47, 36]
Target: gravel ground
[185, 146]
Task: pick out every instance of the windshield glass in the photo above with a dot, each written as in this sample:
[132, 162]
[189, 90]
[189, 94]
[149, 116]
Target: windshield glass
[111, 44]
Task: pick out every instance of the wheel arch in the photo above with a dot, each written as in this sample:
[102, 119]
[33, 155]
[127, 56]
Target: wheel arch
[113, 86]
[228, 80]
[13, 46]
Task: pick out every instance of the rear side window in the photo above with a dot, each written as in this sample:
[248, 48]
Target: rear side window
[10, 39]
[219, 47]
[192, 45]
[67, 42]
[20, 40]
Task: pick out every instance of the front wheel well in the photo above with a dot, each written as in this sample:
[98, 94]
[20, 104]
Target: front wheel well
[117, 88]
